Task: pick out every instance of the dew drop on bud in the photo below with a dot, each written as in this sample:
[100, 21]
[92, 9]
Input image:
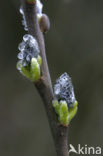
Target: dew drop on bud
[28, 37]
[20, 56]
[21, 46]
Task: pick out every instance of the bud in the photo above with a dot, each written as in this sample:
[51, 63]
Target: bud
[29, 59]
[65, 104]
[44, 23]
[65, 115]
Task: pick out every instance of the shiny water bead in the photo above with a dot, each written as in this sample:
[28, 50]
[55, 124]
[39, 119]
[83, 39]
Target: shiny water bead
[28, 49]
[20, 56]
[27, 37]
[21, 46]
[63, 89]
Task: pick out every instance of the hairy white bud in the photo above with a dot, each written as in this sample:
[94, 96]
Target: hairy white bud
[63, 89]
[28, 49]
[24, 20]
[39, 7]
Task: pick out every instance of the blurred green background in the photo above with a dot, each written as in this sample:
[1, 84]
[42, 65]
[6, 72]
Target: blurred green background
[74, 45]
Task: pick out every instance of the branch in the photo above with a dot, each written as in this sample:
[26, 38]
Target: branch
[43, 85]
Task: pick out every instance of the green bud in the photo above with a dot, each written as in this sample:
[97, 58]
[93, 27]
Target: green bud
[72, 111]
[32, 71]
[64, 113]
[35, 69]
[56, 106]
[39, 60]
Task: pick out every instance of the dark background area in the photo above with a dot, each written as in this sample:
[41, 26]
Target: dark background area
[74, 45]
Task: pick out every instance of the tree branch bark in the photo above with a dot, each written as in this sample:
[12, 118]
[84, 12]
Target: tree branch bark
[44, 85]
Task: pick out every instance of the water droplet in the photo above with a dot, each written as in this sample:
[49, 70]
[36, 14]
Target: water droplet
[21, 46]
[20, 56]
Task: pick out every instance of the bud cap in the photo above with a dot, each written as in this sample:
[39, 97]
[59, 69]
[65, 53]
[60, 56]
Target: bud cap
[63, 90]
[28, 49]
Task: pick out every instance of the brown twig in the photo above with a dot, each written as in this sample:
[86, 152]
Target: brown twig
[44, 86]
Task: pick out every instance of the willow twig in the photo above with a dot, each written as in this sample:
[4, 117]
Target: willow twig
[43, 85]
